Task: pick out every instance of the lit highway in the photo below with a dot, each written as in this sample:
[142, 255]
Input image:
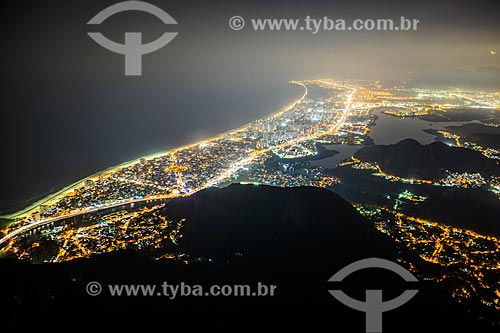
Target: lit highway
[313, 117]
[224, 174]
[50, 220]
[284, 149]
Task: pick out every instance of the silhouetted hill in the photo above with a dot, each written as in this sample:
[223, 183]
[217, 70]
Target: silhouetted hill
[410, 159]
[473, 128]
[226, 221]
[485, 140]
[486, 136]
[294, 238]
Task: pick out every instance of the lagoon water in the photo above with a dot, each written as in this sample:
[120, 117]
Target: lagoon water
[345, 151]
[388, 130]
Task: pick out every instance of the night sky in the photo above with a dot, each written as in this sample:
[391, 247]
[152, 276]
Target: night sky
[68, 110]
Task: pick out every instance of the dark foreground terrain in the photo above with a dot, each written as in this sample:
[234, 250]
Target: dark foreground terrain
[294, 238]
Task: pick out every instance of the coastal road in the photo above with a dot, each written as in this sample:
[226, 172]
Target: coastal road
[232, 168]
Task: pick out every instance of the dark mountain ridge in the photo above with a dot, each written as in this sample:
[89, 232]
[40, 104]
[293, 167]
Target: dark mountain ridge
[409, 159]
[294, 238]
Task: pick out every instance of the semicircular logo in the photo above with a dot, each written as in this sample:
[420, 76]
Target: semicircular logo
[133, 49]
[373, 305]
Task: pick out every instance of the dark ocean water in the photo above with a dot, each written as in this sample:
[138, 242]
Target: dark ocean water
[67, 110]
[57, 134]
